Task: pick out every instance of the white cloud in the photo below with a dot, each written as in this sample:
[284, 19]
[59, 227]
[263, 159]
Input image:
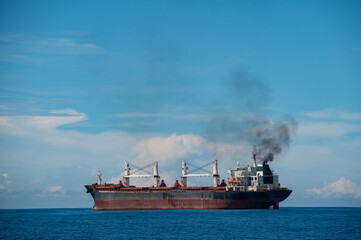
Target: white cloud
[327, 129]
[54, 189]
[170, 149]
[184, 116]
[331, 113]
[54, 149]
[6, 177]
[19, 125]
[192, 117]
[186, 113]
[231, 152]
[140, 115]
[341, 188]
[71, 45]
[319, 114]
[350, 116]
[67, 111]
[116, 180]
[59, 46]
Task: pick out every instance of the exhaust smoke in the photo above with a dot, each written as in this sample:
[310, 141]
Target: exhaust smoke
[251, 125]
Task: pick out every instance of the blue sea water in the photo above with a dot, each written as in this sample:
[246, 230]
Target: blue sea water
[285, 223]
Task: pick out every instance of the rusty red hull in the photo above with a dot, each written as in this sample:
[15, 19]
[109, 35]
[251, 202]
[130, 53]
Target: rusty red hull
[183, 198]
[116, 205]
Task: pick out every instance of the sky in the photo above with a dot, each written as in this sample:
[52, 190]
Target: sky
[90, 84]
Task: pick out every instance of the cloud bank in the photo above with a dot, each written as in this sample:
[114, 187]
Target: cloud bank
[54, 150]
[331, 113]
[340, 188]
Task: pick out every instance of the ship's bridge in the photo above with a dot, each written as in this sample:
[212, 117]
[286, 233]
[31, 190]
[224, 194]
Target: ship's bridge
[254, 178]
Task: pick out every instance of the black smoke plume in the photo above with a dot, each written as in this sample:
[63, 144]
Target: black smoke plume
[274, 137]
[270, 136]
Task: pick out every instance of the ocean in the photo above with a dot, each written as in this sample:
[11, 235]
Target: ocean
[285, 223]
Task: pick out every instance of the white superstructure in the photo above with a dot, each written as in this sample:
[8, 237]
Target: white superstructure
[253, 178]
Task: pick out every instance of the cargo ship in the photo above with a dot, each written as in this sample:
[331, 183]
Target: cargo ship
[249, 187]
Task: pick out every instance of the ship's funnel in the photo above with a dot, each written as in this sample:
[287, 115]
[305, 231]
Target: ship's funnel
[254, 154]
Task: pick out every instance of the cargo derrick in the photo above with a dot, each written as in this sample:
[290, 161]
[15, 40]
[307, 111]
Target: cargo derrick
[250, 187]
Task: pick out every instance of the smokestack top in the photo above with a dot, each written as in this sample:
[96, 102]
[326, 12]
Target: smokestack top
[254, 154]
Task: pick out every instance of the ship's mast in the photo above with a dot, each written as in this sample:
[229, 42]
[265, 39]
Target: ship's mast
[215, 174]
[126, 174]
[99, 177]
[184, 174]
[155, 174]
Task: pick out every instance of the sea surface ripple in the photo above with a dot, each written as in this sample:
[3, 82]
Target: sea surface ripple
[285, 223]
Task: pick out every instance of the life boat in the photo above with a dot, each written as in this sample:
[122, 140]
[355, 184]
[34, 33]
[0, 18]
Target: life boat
[231, 180]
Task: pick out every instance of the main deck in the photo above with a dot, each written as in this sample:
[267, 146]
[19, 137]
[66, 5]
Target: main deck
[115, 188]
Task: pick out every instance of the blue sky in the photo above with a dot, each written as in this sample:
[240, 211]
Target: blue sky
[88, 85]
